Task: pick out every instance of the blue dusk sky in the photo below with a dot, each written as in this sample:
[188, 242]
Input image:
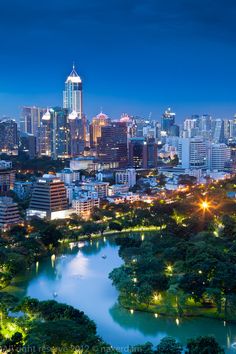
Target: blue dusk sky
[134, 56]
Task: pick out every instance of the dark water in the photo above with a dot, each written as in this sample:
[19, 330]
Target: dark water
[80, 278]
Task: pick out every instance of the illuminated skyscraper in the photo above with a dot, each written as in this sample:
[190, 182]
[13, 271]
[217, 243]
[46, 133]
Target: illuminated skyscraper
[167, 120]
[101, 120]
[30, 119]
[44, 147]
[72, 95]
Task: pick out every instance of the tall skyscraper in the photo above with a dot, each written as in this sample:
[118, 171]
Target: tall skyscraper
[138, 152]
[95, 129]
[60, 133]
[44, 146]
[72, 95]
[77, 128]
[30, 119]
[167, 120]
[112, 145]
[8, 136]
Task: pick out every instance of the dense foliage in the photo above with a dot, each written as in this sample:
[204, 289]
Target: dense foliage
[181, 270]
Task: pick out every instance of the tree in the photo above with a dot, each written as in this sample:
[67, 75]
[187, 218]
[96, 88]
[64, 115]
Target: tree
[146, 348]
[169, 345]
[161, 180]
[115, 225]
[204, 345]
[89, 228]
[174, 161]
[50, 235]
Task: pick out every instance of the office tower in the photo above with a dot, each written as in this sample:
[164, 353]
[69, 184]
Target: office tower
[95, 128]
[218, 131]
[174, 130]
[44, 145]
[60, 133]
[127, 176]
[112, 145]
[167, 120]
[138, 153]
[192, 153]
[232, 129]
[190, 127]
[9, 213]
[72, 95]
[218, 156]
[7, 177]
[77, 128]
[30, 119]
[205, 123]
[151, 153]
[8, 137]
[48, 198]
[28, 145]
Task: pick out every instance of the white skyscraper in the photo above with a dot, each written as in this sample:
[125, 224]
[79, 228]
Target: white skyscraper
[192, 153]
[72, 95]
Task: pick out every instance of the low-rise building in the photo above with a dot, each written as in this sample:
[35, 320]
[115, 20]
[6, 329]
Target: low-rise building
[84, 206]
[23, 190]
[9, 213]
[100, 187]
[68, 176]
[124, 198]
[127, 176]
[118, 189]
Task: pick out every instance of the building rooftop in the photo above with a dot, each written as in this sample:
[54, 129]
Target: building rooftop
[74, 77]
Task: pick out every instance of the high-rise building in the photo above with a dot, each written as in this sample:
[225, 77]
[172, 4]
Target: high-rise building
[138, 153]
[77, 128]
[8, 136]
[174, 130]
[192, 153]
[9, 213]
[49, 199]
[7, 177]
[151, 153]
[60, 133]
[31, 119]
[167, 120]
[218, 156]
[112, 145]
[28, 144]
[72, 95]
[95, 128]
[44, 143]
[218, 131]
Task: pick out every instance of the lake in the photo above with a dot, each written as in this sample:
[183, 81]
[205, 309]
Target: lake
[79, 277]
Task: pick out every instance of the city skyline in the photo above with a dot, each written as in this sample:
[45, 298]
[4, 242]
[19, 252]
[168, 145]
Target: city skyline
[155, 55]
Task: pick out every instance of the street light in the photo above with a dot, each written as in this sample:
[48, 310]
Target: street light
[205, 205]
